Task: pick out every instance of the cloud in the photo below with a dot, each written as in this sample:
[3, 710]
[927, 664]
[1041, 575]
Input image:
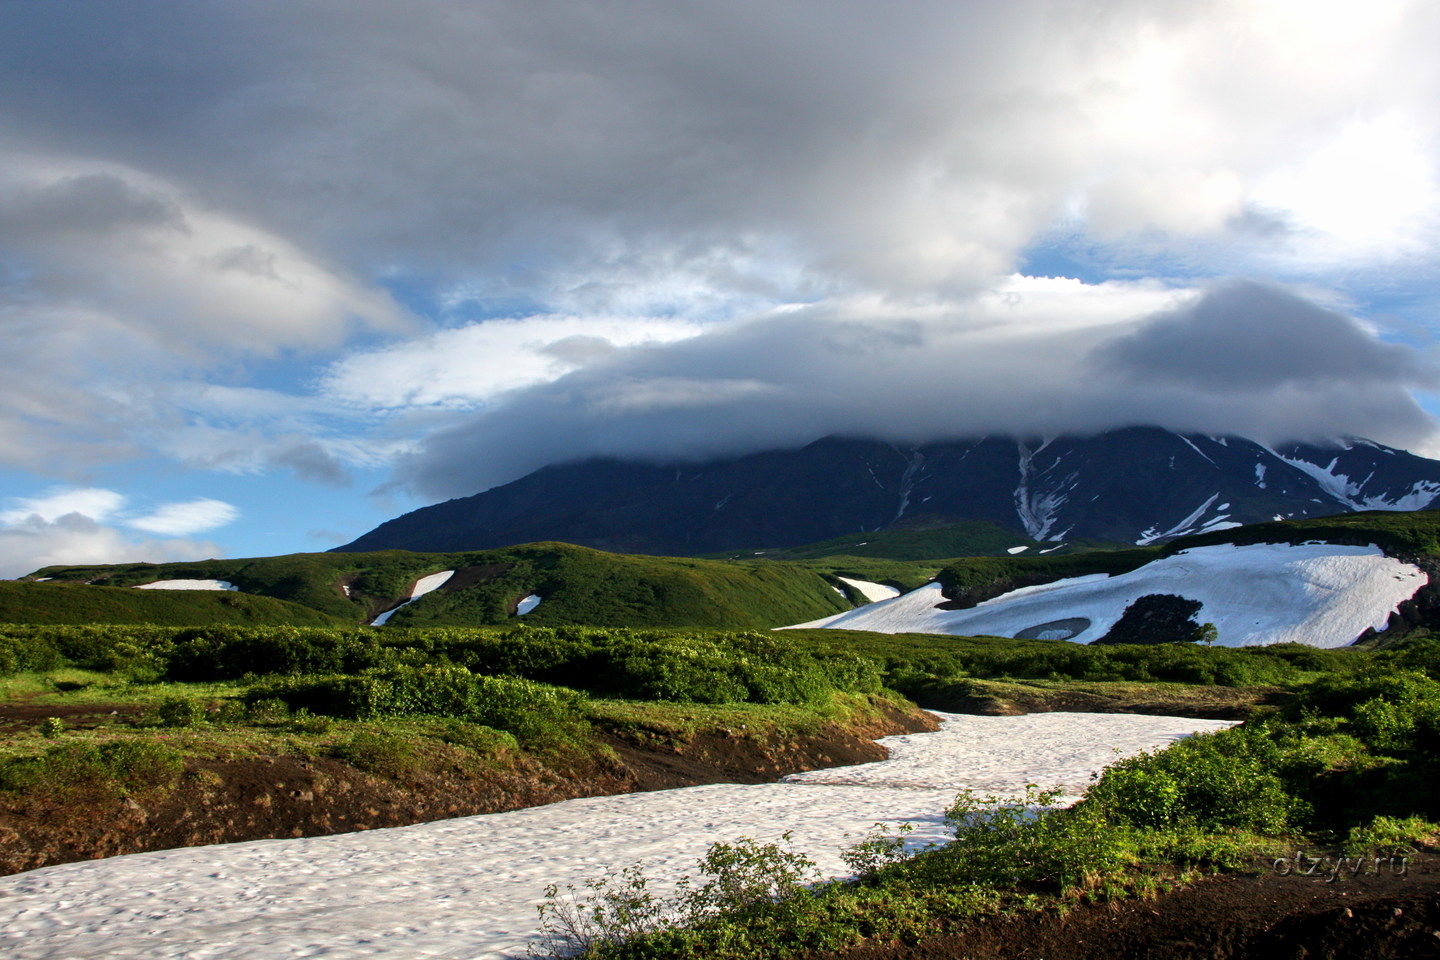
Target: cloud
[646, 227]
[92, 502]
[470, 365]
[1246, 335]
[181, 519]
[90, 524]
[78, 539]
[1038, 357]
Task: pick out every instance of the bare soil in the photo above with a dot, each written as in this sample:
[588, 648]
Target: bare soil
[1254, 916]
[221, 801]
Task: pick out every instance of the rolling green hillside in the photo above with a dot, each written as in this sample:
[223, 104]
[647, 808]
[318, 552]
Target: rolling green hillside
[576, 584]
[77, 603]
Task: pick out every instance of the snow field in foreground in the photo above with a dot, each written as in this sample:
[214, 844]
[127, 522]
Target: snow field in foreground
[467, 888]
[1324, 595]
[188, 585]
[422, 586]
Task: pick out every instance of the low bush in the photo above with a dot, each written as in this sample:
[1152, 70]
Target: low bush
[534, 712]
[1218, 781]
[111, 770]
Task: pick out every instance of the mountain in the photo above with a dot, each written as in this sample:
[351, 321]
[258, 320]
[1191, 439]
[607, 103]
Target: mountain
[1137, 485]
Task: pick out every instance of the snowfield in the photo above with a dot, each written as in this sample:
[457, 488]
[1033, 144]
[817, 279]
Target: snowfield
[1324, 595]
[422, 586]
[188, 585]
[870, 591]
[467, 888]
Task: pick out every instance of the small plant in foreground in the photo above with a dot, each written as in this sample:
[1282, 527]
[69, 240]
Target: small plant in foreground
[621, 909]
[52, 727]
[878, 850]
[180, 712]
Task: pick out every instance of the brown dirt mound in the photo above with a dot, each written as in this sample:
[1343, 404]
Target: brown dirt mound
[1261, 916]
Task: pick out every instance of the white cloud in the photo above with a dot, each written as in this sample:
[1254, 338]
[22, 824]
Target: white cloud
[471, 365]
[78, 539]
[182, 519]
[88, 525]
[97, 504]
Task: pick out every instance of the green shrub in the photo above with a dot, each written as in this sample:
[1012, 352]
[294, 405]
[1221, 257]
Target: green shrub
[228, 653]
[180, 712]
[389, 755]
[116, 769]
[52, 727]
[533, 712]
[1217, 781]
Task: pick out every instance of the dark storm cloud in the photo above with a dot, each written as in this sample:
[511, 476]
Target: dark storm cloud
[1211, 365]
[1251, 336]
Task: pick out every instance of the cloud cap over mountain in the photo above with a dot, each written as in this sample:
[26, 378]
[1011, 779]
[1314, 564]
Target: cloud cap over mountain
[1237, 357]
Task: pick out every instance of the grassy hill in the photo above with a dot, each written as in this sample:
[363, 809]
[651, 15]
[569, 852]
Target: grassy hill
[576, 584]
[77, 603]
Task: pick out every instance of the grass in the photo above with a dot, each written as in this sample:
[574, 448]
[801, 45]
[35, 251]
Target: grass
[80, 603]
[578, 586]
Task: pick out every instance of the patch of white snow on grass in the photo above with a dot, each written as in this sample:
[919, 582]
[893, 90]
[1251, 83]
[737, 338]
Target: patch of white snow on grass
[1014, 550]
[1322, 595]
[422, 586]
[870, 591]
[527, 604]
[468, 887]
[188, 585]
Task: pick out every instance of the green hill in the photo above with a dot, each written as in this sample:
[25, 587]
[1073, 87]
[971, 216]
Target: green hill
[577, 586]
[75, 603]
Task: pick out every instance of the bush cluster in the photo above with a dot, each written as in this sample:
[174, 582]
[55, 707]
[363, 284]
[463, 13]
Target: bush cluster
[532, 712]
[105, 771]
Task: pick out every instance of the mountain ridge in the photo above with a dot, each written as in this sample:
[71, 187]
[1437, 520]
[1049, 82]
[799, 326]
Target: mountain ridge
[1136, 485]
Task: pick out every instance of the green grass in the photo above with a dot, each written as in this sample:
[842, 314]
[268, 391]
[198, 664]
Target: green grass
[78, 603]
[578, 586]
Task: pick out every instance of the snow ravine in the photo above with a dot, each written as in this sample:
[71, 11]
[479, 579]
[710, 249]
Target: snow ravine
[467, 888]
[870, 591]
[1323, 595]
[422, 586]
[188, 585]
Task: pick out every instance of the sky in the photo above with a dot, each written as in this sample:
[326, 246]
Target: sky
[274, 272]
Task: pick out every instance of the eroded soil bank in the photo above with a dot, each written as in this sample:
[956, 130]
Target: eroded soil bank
[1257, 916]
[287, 796]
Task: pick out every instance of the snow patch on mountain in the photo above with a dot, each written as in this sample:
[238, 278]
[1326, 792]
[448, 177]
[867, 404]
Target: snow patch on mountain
[1186, 526]
[1038, 511]
[872, 592]
[422, 586]
[1347, 491]
[1322, 595]
[188, 585]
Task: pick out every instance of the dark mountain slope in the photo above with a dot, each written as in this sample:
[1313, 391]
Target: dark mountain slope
[1137, 485]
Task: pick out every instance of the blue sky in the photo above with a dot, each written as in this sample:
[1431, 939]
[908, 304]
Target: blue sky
[272, 273]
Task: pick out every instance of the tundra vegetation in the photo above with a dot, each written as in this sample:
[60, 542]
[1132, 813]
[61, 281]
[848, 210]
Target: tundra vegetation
[1338, 752]
[1347, 766]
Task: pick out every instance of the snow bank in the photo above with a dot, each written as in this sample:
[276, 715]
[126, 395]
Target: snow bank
[870, 591]
[188, 585]
[422, 586]
[526, 604]
[468, 887]
[1320, 594]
